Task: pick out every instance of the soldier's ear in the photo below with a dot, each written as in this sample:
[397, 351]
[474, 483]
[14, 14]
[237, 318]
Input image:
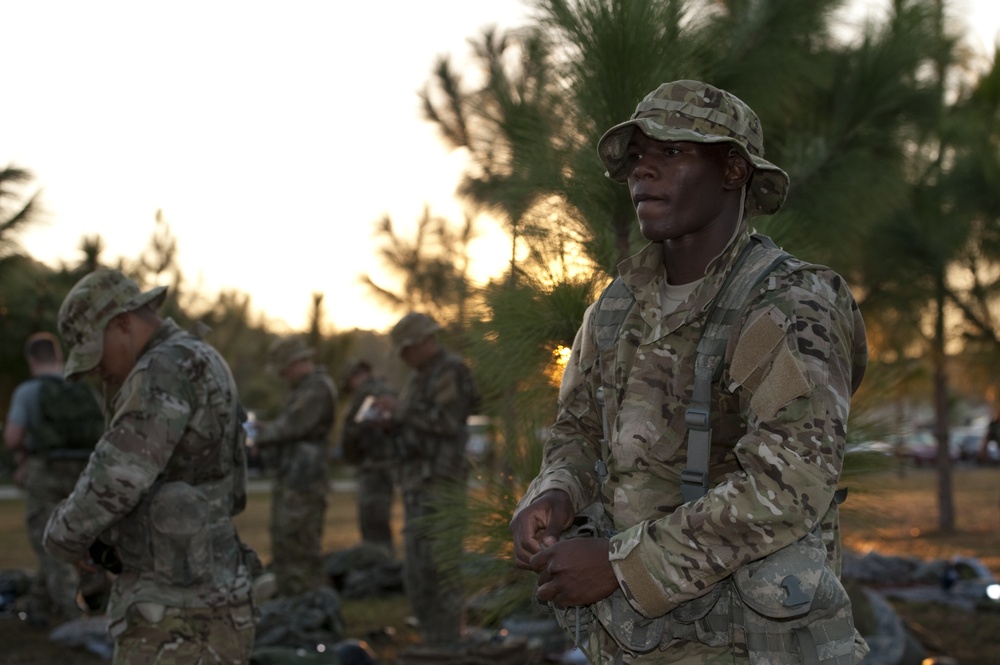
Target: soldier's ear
[737, 170]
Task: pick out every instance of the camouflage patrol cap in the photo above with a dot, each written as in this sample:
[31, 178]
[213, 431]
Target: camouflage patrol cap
[87, 309]
[286, 350]
[701, 113]
[411, 329]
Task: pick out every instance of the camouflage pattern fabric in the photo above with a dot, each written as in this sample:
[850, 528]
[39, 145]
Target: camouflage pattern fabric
[46, 483]
[300, 436]
[182, 636]
[431, 436]
[87, 309]
[163, 484]
[371, 449]
[779, 422]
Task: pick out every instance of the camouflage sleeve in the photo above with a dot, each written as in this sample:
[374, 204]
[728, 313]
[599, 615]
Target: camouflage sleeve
[353, 431]
[308, 407]
[151, 415]
[350, 437]
[443, 412]
[574, 445]
[792, 367]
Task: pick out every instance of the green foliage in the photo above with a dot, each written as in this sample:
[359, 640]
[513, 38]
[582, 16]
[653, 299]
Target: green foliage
[472, 543]
[432, 270]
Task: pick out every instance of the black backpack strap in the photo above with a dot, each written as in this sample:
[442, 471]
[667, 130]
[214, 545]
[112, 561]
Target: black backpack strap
[752, 266]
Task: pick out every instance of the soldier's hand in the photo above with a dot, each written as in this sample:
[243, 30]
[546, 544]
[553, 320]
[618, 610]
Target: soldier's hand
[576, 571]
[540, 524]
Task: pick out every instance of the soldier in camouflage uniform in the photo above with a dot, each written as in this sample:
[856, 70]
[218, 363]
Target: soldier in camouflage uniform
[366, 443]
[300, 436]
[47, 478]
[157, 497]
[748, 571]
[429, 427]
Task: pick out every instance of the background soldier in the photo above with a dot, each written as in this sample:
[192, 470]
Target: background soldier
[52, 427]
[300, 436]
[429, 422]
[366, 443]
[712, 543]
[157, 497]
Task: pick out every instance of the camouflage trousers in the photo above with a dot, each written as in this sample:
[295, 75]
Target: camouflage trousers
[47, 482]
[375, 493]
[297, 515]
[188, 636]
[433, 589]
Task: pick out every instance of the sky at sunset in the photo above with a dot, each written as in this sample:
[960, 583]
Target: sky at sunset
[273, 135]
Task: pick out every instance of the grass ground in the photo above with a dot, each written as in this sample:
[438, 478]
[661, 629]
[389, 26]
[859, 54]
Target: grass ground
[888, 512]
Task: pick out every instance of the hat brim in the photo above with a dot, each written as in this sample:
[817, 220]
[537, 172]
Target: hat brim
[768, 186]
[86, 355]
[304, 354]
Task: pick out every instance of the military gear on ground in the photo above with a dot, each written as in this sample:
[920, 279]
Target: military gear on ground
[345, 652]
[70, 420]
[87, 309]
[287, 350]
[367, 570]
[700, 113]
[302, 621]
[412, 329]
[467, 652]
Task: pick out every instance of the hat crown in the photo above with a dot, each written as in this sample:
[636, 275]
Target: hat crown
[412, 328]
[704, 109]
[286, 350]
[92, 302]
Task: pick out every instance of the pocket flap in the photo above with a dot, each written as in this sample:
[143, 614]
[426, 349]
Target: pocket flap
[783, 584]
[696, 608]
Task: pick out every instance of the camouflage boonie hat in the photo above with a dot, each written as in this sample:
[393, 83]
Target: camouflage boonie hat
[285, 351]
[87, 309]
[411, 329]
[701, 113]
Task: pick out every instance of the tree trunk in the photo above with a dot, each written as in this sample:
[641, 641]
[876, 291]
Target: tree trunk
[946, 505]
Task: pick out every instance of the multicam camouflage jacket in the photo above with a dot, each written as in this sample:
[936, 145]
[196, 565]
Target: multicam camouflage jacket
[301, 431]
[431, 416]
[363, 442]
[779, 423]
[163, 483]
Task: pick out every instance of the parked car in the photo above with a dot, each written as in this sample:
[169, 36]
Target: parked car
[921, 448]
[968, 440]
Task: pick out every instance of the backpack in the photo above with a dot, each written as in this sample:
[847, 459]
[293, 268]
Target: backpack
[70, 419]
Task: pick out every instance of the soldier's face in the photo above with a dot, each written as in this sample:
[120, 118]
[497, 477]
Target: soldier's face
[417, 355]
[119, 353]
[677, 187]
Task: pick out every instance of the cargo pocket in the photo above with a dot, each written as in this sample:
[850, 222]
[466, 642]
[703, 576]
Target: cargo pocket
[794, 609]
[182, 541]
[706, 619]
